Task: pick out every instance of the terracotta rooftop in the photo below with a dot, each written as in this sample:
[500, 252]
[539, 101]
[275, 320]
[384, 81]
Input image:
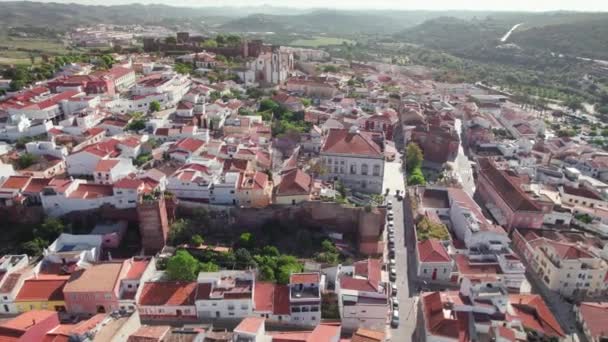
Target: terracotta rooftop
[510, 192]
[595, 317]
[341, 141]
[171, 293]
[366, 335]
[148, 333]
[42, 290]
[294, 182]
[432, 250]
[534, 314]
[98, 278]
[250, 325]
[582, 192]
[304, 278]
[105, 165]
[270, 297]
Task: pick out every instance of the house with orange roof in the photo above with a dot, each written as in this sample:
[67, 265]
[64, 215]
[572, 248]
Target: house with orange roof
[355, 158]
[95, 289]
[572, 269]
[295, 186]
[434, 263]
[593, 317]
[167, 300]
[138, 270]
[42, 294]
[483, 310]
[225, 294]
[13, 272]
[109, 171]
[30, 326]
[363, 294]
[254, 190]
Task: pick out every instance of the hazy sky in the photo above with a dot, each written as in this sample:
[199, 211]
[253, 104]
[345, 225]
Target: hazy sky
[504, 5]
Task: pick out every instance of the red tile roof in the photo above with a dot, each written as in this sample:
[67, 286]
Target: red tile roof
[97, 278]
[534, 314]
[270, 297]
[149, 333]
[341, 141]
[434, 319]
[16, 182]
[105, 165]
[294, 182]
[595, 317]
[510, 192]
[137, 268]
[42, 290]
[366, 335]
[564, 250]
[173, 293]
[305, 278]
[324, 333]
[250, 325]
[13, 329]
[432, 251]
[128, 183]
[189, 144]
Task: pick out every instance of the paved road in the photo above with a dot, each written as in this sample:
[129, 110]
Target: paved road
[394, 179]
[462, 165]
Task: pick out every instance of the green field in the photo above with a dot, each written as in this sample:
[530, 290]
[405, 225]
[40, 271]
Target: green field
[18, 50]
[320, 41]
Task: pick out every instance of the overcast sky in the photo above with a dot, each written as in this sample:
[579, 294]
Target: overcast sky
[504, 5]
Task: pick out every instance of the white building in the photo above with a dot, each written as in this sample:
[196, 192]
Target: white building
[362, 295]
[49, 148]
[225, 294]
[14, 272]
[109, 171]
[355, 158]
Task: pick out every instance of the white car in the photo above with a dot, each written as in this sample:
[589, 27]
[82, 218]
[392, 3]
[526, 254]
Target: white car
[395, 304]
[394, 289]
[395, 319]
[392, 262]
[389, 205]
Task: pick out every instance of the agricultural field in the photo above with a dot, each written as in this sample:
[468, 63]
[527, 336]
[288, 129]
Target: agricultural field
[18, 50]
[320, 41]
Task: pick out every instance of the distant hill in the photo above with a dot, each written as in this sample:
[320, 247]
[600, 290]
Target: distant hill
[578, 34]
[63, 16]
[321, 21]
[582, 39]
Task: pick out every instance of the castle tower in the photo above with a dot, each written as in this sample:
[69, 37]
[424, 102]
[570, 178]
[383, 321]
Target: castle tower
[153, 224]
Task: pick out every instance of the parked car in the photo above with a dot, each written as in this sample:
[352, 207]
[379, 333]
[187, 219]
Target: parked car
[395, 304]
[389, 205]
[394, 290]
[391, 230]
[393, 274]
[389, 216]
[391, 245]
[395, 319]
[392, 262]
[391, 253]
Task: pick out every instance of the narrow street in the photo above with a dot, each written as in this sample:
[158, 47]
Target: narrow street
[394, 180]
[462, 164]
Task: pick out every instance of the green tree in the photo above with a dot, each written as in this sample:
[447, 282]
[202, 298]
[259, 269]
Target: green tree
[182, 267]
[180, 232]
[208, 267]
[268, 104]
[267, 273]
[26, 160]
[197, 240]
[34, 247]
[416, 177]
[183, 68]
[154, 106]
[209, 44]
[574, 104]
[306, 102]
[285, 272]
[413, 157]
[136, 125]
[246, 240]
[271, 251]
[244, 258]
